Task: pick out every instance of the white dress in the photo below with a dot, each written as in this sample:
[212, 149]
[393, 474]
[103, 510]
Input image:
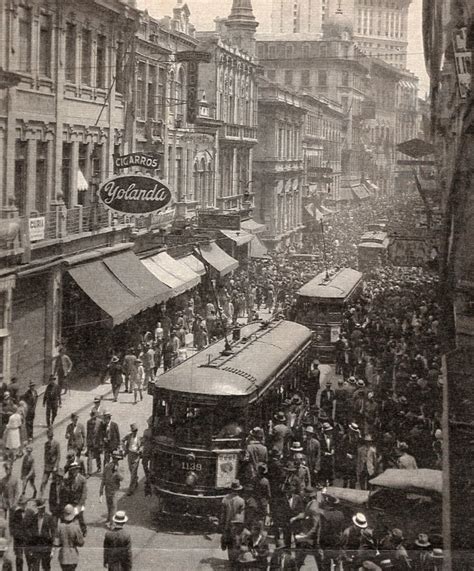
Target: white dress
[12, 432]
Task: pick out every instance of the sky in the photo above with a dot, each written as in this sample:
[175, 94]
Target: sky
[203, 13]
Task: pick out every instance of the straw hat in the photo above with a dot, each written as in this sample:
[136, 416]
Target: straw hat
[236, 486]
[360, 520]
[296, 447]
[422, 540]
[120, 518]
[69, 512]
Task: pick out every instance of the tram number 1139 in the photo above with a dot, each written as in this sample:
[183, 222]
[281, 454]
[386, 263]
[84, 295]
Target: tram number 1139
[191, 466]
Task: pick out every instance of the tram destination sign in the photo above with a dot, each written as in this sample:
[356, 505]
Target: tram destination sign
[134, 194]
[137, 160]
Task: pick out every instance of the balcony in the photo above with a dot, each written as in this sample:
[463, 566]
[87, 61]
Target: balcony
[242, 133]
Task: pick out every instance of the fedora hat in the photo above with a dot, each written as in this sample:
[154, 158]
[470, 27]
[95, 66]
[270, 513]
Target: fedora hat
[120, 517]
[290, 467]
[69, 512]
[280, 417]
[422, 540]
[236, 486]
[360, 383]
[360, 520]
[246, 557]
[368, 438]
[327, 427]
[309, 430]
[386, 564]
[437, 553]
[116, 454]
[296, 447]
[352, 380]
[354, 426]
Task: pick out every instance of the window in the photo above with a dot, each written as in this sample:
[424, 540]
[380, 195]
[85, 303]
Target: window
[20, 176]
[271, 74]
[288, 76]
[305, 77]
[45, 41]
[101, 61]
[179, 93]
[161, 95]
[96, 162]
[271, 52]
[119, 65]
[345, 102]
[41, 177]
[141, 90]
[151, 93]
[322, 78]
[24, 32]
[66, 173]
[86, 57]
[71, 52]
[323, 50]
[345, 79]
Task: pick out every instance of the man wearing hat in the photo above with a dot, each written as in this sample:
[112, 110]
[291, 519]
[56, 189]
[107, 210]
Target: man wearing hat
[314, 382]
[400, 558]
[332, 527]
[5, 561]
[19, 531]
[62, 369]
[42, 531]
[352, 539]
[348, 455]
[92, 441]
[75, 434]
[110, 484]
[128, 368]
[31, 399]
[367, 461]
[342, 400]
[307, 542]
[326, 474]
[115, 371]
[256, 451]
[28, 472]
[312, 450]
[97, 407]
[118, 545]
[69, 538]
[282, 559]
[75, 489]
[327, 399]
[51, 400]
[109, 436]
[232, 508]
[132, 444]
[280, 432]
[405, 460]
[57, 495]
[421, 556]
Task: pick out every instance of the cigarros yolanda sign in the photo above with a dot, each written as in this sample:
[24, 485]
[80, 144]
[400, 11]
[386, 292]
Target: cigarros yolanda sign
[134, 194]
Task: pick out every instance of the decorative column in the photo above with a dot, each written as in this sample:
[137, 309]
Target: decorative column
[235, 187]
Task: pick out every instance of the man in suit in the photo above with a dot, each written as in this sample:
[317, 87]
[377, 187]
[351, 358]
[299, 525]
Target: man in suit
[19, 531]
[57, 495]
[31, 398]
[62, 368]
[109, 436]
[132, 449]
[9, 488]
[41, 530]
[92, 441]
[326, 473]
[328, 396]
[75, 486]
[312, 450]
[110, 484]
[52, 457]
[233, 508]
[51, 400]
[75, 434]
[118, 545]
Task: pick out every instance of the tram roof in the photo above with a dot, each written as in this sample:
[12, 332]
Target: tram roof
[336, 287]
[259, 355]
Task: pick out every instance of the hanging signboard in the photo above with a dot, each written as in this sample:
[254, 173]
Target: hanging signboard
[218, 221]
[134, 194]
[36, 227]
[226, 472]
[137, 160]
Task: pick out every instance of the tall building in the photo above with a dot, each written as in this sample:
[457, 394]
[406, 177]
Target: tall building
[380, 26]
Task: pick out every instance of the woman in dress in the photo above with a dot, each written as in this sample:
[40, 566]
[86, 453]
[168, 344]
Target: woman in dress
[12, 435]
[23, 411]
[137, 379]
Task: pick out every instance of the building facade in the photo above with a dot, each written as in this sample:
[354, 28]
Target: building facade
[279, 165]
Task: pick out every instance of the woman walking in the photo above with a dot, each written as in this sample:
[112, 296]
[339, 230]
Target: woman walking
[137, 379]
[12, 435]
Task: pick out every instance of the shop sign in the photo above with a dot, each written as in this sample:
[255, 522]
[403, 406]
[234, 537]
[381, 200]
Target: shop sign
[36, 227]
[335, 333]
[226, 471]
[134, 194]
[137, 160]
[218, 221]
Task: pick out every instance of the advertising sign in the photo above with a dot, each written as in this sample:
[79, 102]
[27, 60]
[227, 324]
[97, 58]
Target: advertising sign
[218, 221]
[226, 471]
[137, 160]
[192, 99]
[134, 194]
[335, 333]
[36, 227]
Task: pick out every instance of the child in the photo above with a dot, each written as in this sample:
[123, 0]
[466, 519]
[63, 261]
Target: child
[28, 474]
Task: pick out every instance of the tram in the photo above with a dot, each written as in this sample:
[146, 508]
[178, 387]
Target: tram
[204, 407]
[372, 250]
[320, 306]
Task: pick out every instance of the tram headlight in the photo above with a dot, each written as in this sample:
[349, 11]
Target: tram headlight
[191, 479]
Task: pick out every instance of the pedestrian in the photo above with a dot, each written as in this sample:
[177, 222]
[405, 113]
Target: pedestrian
[52, 400]
[282, 559]
[9, 488]
[28, 473]
[118, 545]
[326, 474]
[69, 538]
[52, 457]
[147, 452]
[307, 542]
[109, 436]
[312, 450]
[115, 372]
[110, 485]
[332, 527]
[42, 531]
[348, 455]
[280, 433]
[367, 461]
[351, 540]
[5, 560]
[75, 490]
[97, 407]
[232, 509]
[132, 450]
[422, 555]
[256, 542]
[57, 495]
[12, 436]
[128, 366]
[327, 400]
[75, 434]
[92, 442]
[405, 460]
[62, 369]
[148, 361]
[400, 559]
[31, 399]
[137, 379]
[19, 532]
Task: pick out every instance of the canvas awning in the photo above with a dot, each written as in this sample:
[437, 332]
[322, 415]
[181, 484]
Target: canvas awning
[360, 191]
[82, 183]
[239, 237]
[252, 226]
[217, 258]
[173, 273]
[193, 263]
[258, 250]
[120, 285]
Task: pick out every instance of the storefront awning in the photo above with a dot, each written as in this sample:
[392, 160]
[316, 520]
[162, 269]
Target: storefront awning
[217, 258]
[252, 226]
[326, 211]
[360, 191]
[173, 273]
[258, 250]
[194, 264]
[120, 285]
[240, 237]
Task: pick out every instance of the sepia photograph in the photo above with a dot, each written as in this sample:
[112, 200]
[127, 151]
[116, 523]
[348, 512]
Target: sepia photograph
[236, 285]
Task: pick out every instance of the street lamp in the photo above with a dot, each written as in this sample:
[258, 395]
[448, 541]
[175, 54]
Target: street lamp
[8, 79]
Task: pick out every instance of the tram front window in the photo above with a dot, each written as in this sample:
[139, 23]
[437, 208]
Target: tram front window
[194, 424]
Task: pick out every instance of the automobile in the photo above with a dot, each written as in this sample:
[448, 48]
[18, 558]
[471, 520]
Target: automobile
[410, 500]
